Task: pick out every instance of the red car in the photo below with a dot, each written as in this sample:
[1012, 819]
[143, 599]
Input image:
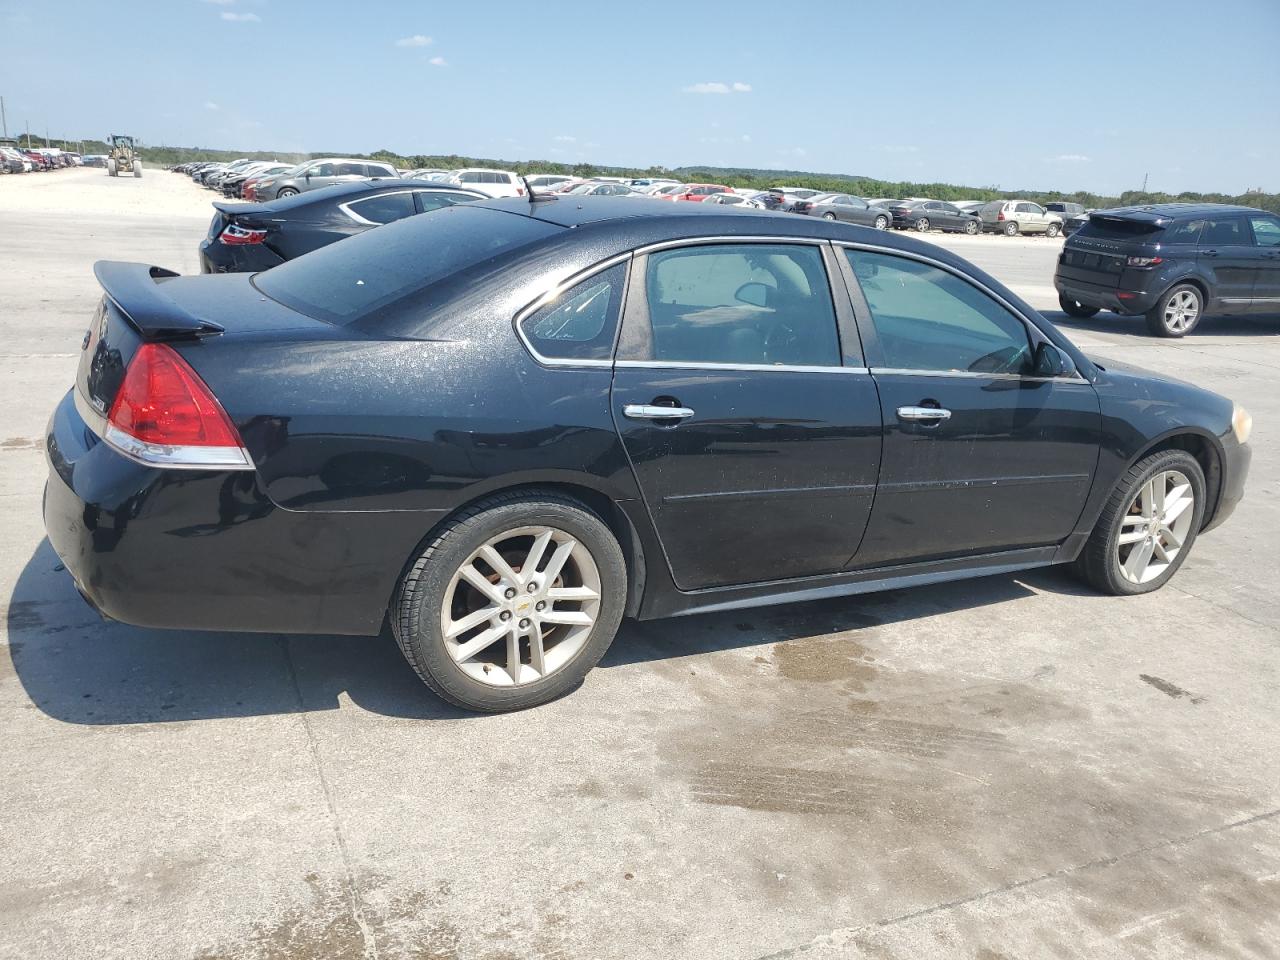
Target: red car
[697, 192]
[38, 160]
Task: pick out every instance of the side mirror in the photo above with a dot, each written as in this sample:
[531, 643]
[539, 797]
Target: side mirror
[755, 294]
[1051, 362]
[307, 175]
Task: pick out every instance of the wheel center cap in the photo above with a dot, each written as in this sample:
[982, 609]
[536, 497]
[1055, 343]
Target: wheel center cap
[524, 605]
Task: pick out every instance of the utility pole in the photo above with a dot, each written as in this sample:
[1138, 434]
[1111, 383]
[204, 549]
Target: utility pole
[4, 121]
[1144, 182]
[28, 134]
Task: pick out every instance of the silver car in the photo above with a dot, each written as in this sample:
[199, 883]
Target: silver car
[314, 174]
[1012, 217]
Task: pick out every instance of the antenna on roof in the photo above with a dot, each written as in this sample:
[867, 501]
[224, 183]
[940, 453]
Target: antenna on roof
[533, 197]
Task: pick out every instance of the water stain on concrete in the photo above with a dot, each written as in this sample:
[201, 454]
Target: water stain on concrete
[825, 660]
[22, 615]
[1170, 689]
[21, 443]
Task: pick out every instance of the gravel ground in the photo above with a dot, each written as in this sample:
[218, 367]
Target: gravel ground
[1009, 767]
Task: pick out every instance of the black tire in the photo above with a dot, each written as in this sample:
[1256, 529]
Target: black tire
[415, 610]
[972, 227]
[1052, 230]
[828, 216]
[1098, 563]
[882, 223]
[1010, 228]
[1074, 308]
[286, 192]
[922, 224]
[1156, 322]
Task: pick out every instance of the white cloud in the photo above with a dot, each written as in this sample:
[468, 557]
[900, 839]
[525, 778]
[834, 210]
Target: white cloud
[794, 152]
[715, 86]
[1069, 158]
[565, 139]
[900, 148]
[240, 17]
[221, 3]
[210, 105]
[417, 40]
[438, 62]
[746, 138]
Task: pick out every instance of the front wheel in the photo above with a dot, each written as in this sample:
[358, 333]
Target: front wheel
[828, 216]
[287, 192]
[1074, 308]
[971, 227]
[923, 224]
[1147, 527]
[512, 603]
[137, 168]
[1177, 313]
[882, 223]
[112, 168]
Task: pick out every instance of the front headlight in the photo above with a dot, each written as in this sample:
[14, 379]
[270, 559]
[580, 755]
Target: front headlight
[1241, 423]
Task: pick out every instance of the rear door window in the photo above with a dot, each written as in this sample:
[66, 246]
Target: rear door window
[351, 170]
[1188, 231]
[384, 207]
[1266, 231]
[435, 199]
[752, 303]
[1229, 231]
[926, 318]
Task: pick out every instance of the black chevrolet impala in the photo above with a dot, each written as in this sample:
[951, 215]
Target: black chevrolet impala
[506, 425]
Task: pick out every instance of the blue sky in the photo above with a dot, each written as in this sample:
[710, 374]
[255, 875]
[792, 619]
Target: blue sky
[1083, 94]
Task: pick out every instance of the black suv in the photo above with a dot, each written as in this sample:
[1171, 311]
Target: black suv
[1173, 262]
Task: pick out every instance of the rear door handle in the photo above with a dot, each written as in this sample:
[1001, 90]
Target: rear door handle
[1208, 253]
[650, 411]
[926, 414]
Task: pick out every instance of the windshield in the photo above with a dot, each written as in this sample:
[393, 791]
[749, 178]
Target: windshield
[345, 282]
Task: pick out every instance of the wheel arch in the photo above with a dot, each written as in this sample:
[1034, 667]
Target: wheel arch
[592, 497]
[1207, 451]
[1191, 280]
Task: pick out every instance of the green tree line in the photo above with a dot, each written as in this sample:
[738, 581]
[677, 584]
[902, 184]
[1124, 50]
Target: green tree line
[746, 178]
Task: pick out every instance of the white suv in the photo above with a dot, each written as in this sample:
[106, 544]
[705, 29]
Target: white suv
[495, 183]
[1012, 217]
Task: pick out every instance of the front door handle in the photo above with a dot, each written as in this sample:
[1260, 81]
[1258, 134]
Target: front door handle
[925, 414]
[651, 411]
[1208, 253]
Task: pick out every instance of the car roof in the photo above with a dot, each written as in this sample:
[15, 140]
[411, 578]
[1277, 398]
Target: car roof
[341, 192]
[1176, 211]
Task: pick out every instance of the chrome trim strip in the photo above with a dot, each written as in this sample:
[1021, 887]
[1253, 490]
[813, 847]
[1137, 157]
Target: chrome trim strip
[839, 490]
[692, 365]
[919, 486]
[1239, 299]
[160, 456]
[970, 375]
[716, 240]
[649, 411]
[553, 294]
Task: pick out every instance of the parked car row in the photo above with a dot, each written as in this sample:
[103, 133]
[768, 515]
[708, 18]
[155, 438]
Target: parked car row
[14, 159]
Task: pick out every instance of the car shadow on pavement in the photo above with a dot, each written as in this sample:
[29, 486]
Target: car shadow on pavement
[81, 669]
[1260, 325]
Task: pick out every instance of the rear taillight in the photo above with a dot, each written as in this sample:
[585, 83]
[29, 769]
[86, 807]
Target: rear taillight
[1143, 261]
[519, 191]
[237, 236]
[1000, 215]
[164, 415]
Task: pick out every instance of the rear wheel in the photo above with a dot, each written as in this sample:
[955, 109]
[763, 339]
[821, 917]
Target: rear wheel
[287, 192]
[113, 168]
[882, 223]
[1074, 308]
[1010, 228]
[923, 224]
[828, 216]
[137, 168]
[1053, 230]
[1177, 313]
[1147, 527]
[512, 603]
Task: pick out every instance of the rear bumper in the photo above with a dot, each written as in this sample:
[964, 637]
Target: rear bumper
[217, 257]
[209, 550]
[1105, 298]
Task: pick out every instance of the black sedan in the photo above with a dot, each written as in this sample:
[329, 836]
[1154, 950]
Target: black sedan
[926, 215]
[247, 237]
[841, 206]
[503, 427]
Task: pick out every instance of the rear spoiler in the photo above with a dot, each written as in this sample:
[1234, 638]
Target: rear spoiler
[136, 291]
[238, 209]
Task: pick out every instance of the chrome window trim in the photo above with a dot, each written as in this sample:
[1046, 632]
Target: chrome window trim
[710, 365]
[971, 375]
[160, 456]
[714, 240]
[554, 294]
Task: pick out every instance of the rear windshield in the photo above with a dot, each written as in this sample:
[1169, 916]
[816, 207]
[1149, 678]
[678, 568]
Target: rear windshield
[346, 281]
[1117, 228]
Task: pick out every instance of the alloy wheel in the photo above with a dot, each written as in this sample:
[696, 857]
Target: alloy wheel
[923, 224]
[1181, 311]
[521, 607]
[882, 223]
[1155, 526]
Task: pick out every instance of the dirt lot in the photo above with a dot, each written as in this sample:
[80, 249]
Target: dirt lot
[1010, 767]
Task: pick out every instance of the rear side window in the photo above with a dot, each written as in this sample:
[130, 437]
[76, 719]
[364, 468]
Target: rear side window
[435, 199]
[345, 282]
[928, 319]
[1186, 232]
[581, 323]
[1226, 232]
[740, 304]
[1266, 231]
[351, 170]
[384, 207]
